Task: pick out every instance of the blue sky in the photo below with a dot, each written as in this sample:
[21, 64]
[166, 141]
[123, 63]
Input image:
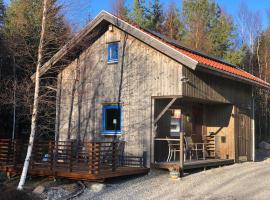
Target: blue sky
[78, 11]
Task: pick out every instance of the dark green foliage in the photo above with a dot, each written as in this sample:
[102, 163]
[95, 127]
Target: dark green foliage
[154, 16]
[207, 28]
[23, 19]
[22, 33]
[2, 13]
[138, 13]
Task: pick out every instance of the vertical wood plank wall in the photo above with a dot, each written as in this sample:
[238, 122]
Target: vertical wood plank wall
[220, 119]
[147, 73]
[218, 89]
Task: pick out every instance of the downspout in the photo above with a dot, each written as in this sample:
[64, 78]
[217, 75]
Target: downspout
[253, 126]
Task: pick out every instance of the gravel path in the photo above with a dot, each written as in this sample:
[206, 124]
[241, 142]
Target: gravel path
[239, 181]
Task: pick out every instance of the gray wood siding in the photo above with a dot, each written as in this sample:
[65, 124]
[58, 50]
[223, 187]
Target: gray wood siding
[213, 88]
[146, 73]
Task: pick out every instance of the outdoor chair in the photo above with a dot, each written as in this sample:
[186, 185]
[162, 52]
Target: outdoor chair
[174, 146]
[192, 149]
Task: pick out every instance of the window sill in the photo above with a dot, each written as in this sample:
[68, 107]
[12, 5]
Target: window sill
[111, 133]
[112, 62]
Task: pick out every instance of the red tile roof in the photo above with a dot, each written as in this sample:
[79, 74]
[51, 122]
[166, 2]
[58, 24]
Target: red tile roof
[224, 67]
[205, 60]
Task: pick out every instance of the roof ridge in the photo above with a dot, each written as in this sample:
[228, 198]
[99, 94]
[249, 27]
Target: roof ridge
[180, 47]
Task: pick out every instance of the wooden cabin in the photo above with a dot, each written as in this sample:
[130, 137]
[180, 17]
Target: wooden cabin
[169, 104]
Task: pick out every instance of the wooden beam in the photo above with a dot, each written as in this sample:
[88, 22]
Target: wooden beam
[164, 110]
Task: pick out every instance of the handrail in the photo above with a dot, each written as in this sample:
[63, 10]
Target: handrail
[89, 157]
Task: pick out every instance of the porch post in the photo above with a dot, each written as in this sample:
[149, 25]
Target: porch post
[253, 128]
[181, 146]
[181, 153]
[152, 142]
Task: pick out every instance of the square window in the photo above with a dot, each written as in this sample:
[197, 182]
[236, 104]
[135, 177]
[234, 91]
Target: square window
[113, 52]
[111, 120]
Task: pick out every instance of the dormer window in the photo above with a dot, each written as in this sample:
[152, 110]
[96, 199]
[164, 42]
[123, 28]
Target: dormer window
[113, 52]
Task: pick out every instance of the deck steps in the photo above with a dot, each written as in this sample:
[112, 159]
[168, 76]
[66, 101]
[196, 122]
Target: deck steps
[211, 146]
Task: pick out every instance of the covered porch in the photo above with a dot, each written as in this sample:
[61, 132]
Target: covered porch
[189, 133]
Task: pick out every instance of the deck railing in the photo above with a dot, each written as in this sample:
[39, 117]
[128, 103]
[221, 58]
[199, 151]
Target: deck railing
[90, 157]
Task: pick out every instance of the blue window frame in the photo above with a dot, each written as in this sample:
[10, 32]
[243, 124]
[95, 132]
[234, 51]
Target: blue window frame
[113, 52]
[112, 119]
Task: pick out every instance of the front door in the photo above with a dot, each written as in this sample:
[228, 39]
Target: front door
[243, 135]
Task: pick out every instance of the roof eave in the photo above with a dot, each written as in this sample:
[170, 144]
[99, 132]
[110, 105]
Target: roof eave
[69, 45]
[209, 69]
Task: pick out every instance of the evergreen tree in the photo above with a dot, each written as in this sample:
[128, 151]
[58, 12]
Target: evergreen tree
[23, 19]
[207, 28]
[3, 50]
[2, 13]
[154, 16]
[236, 56]
[22, 32]
[138, 13]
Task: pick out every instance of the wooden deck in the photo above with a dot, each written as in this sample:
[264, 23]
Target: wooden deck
[84, 175]
[195, 164]
[95, 161]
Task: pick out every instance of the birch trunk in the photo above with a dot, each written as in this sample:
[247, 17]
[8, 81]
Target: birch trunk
[35, 106]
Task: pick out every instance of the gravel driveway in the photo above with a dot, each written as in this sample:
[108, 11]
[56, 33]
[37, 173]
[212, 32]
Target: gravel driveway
[239, 181]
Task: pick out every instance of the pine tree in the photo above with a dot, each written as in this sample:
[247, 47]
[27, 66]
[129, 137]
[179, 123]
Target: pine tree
[138, 13]
[23, 19]
[154, 16]
[22, 32]
[2, 13]
[207, 28]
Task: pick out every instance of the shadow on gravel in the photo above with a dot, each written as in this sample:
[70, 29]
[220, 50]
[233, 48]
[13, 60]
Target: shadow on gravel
[7, 193]
[153, 174]
[262, 155]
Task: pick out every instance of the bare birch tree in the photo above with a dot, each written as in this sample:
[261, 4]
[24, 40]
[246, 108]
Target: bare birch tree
[36, 95]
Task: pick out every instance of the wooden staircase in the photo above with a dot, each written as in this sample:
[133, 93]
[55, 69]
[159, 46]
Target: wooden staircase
[211, 146]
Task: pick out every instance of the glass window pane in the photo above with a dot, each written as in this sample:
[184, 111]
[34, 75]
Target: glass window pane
[113, 52]
[112, 119]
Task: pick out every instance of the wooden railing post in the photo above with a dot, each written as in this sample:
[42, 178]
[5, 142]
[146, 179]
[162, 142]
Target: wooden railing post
[114, 156]
[90, 155]
[14, 152]
[97, 158]
[144, 164]
[9, 151]
[50, 152]
[70, 156]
